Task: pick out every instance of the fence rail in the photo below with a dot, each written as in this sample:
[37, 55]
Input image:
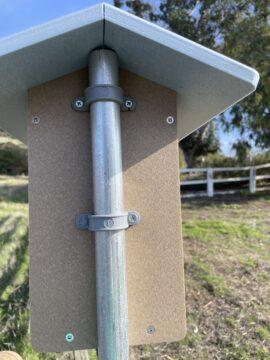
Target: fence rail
[210, 179]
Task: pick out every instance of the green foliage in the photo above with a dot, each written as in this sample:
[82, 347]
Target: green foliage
[13, 159]
[220, 160]
[263, 333]
[215, 160]
[213, 283]
[231, 322]
[262, 158]
[13, 275]
[242, 149]
[237, 28]
[200, 143]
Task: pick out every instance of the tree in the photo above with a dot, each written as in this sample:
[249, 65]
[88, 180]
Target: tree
[118, 3]
[237, 28]
[242, 150]
[202, 142]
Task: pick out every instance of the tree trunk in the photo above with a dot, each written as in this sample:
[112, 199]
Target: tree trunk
[190, 154]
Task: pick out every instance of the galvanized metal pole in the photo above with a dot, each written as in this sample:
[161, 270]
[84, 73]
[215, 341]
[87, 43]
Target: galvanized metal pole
[108, 199]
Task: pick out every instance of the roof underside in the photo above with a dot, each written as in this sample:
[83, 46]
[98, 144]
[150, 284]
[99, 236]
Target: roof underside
[207, 82]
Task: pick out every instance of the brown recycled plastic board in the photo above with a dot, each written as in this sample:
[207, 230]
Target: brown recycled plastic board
[62, 261]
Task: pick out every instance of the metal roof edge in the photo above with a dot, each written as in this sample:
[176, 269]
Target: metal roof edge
[179, 130]
[181, 44]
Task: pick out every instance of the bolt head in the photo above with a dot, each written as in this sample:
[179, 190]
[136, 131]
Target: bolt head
[170, 120]
[35, 120]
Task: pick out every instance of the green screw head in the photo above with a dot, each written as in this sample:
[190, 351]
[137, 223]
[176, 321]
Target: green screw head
[69, 337]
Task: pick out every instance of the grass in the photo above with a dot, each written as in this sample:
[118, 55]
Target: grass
[227, 267]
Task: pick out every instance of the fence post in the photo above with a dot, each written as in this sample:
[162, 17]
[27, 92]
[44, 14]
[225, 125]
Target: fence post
[210, 183]
[252, 180]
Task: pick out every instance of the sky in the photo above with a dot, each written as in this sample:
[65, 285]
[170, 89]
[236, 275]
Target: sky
[18, 15]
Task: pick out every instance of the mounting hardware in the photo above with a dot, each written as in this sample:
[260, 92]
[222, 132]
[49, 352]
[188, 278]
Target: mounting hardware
[170, 120]
[103, 93]
[106, 222]
[133, 218]
[35, 120]
[78, 104]
[69, 337]
[151, 329]
[128, 104]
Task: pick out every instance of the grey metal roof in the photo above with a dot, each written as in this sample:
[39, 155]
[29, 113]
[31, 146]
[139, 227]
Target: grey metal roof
[206, 81]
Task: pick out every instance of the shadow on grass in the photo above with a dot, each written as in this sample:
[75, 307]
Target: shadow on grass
[14, 318]
[9, 275]
[230, 199]
[14, 194]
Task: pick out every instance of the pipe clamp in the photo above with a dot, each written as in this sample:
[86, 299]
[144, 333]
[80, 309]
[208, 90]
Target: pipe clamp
[109, 222]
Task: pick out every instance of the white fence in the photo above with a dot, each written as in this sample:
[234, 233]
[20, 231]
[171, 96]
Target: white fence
[210, 180]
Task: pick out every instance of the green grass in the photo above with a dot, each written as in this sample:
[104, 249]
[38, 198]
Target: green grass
[13, 265]
[227, 267]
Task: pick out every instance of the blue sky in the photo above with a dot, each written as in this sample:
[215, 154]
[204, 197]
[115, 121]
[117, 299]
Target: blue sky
[17, 15]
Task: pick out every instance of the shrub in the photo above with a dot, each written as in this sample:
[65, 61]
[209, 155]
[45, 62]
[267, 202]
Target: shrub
[13, 159]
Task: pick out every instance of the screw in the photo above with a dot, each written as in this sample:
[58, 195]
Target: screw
[170, 120]
[35, 120]
[133, 218]
[69, 337]
[151, 329]
[109, 223]
[79, 104]
[128, 104]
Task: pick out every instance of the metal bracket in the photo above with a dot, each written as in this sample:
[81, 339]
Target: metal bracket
[106, 222]
[103, 93]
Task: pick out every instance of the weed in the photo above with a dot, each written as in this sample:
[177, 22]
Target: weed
[263, 333]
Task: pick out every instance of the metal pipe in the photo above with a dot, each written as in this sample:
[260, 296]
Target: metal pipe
[108, 199]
